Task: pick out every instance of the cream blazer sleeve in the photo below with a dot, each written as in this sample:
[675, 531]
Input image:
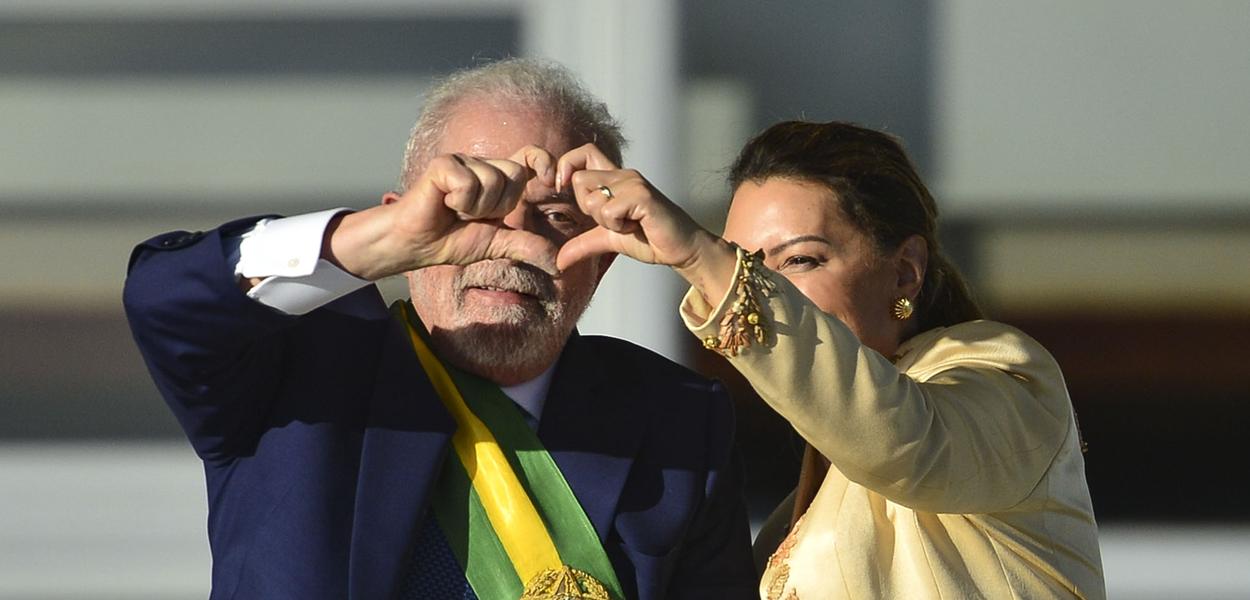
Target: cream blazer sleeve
[968, 421]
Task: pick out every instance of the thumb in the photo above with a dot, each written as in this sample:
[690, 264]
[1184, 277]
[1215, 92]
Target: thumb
[594, 242]
[525, 247]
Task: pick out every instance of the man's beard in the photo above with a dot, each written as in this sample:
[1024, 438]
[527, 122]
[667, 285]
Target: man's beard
[504, 342]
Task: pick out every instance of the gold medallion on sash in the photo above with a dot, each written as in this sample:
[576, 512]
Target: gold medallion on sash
[566, 583]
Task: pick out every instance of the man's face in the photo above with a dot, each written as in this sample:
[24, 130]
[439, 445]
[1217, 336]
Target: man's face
[503, 320]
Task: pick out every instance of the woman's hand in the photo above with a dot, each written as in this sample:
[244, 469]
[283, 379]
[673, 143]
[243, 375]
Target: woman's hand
[637, 220]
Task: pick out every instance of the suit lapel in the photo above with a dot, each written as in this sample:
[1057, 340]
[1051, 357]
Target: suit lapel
[591, 431]
[405, 443]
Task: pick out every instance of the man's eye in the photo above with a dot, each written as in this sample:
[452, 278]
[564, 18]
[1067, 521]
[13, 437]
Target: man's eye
[558, 217]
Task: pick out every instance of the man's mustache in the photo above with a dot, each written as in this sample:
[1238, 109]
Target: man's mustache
[509, 276]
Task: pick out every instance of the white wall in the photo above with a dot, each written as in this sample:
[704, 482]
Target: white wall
[1071, 105]
[164, 139]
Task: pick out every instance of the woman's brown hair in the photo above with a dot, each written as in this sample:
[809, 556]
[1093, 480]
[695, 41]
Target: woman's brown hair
[877, 188]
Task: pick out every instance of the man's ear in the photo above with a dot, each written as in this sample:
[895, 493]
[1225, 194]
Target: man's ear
[390, 197]
[911, 260]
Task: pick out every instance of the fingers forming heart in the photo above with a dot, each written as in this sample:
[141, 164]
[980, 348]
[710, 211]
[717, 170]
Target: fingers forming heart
[587, 156]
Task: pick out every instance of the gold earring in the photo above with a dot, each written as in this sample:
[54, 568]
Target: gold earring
[902, 308]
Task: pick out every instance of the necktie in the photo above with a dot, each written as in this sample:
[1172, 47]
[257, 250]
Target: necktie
[434, 572]
[530, 420]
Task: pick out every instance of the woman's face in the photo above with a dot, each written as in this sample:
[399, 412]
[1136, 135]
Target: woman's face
[807, 239]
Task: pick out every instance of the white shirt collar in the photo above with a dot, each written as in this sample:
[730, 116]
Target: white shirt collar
[532, 394]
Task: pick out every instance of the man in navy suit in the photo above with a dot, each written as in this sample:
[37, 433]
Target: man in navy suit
[321, 437]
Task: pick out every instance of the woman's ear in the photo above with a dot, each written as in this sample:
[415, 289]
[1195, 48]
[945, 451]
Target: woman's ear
[390, 197]
[911, 260]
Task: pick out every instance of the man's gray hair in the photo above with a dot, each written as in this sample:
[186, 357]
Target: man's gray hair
[544, 86]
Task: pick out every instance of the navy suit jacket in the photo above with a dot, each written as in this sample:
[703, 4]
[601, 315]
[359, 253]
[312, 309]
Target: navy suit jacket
[321, 438]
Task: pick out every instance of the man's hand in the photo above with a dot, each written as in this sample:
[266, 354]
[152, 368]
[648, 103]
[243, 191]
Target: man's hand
[451, 215]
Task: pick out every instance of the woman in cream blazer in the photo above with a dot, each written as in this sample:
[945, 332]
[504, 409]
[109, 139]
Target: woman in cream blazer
[944, 459]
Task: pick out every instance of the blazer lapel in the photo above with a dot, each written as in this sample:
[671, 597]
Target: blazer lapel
[591, 432]
[405, 442]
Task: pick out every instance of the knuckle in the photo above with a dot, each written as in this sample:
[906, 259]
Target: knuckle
[512, 170]
[638, 186]
[444, 162]
[490, 178]
[461, 179]
[539, 162]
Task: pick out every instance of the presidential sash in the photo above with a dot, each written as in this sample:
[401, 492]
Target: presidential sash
[507, 512]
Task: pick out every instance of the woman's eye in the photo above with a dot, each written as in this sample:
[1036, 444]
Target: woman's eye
[799, 262]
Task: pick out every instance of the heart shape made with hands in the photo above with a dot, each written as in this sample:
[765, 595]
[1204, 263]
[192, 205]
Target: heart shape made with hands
[632, 218]
[455, 213]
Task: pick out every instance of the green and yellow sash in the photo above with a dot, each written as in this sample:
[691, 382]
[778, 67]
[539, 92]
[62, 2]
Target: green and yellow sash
[507, 512]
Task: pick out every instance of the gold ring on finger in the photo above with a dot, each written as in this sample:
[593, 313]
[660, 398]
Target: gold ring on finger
[607, 192]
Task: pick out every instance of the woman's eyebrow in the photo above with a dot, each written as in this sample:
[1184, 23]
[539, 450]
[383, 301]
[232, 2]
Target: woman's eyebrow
[797, 240]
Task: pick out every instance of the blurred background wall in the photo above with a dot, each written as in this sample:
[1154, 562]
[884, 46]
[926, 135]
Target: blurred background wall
[1090, 159]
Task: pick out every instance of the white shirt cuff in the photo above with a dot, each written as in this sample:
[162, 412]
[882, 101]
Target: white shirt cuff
[287, 253]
